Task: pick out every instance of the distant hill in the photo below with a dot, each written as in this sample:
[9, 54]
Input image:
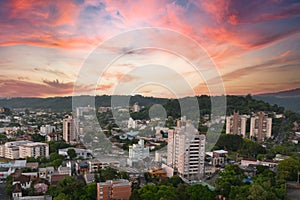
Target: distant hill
[287, 93]
[289, 103]
[290, 99]
[65, 103]
[245, 105]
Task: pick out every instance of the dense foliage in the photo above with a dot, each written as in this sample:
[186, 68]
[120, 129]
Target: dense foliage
[72, 189]
[172, 189]
[264, 185]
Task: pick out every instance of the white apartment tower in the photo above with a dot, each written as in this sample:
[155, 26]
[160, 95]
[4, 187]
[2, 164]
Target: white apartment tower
[261, 126]
[236, 124]
[186, 152]
[137, 152]
[70, 129]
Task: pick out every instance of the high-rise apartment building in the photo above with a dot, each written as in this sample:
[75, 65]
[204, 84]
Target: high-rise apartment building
[186, 152]
[70, 126]
[261, 126]
[114, 190]
[236, 124]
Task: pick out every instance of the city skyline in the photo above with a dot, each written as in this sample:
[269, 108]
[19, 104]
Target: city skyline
[44, 45]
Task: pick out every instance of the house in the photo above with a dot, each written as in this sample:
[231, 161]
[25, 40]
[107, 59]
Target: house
[24, 181]
[65, 170]
[32, 165]
[17, 190]
[55, 178]
[246, 162]
[89, 178]
[46, 172]
[82, 167]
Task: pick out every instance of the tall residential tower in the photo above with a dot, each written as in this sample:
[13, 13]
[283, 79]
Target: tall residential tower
[70, 125]
[186, 152]
[261, 126]
[236, 124]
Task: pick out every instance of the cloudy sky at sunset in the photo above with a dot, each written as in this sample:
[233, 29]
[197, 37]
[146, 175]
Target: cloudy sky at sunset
[44, 45]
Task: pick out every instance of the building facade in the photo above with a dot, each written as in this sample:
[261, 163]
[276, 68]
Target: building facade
[261, 126]
[114, 190]
[46, 129]
[95, 165]
[54, 136]
[70, 129]
[236, 124]
[137, 152]
[23, 149]
[33, 149]
[186, 152]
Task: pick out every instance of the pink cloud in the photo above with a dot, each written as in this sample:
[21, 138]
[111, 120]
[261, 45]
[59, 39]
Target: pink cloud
[22, 88]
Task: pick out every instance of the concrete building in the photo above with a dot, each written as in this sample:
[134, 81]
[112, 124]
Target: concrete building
[46, 129]
[137, 152]
[94, 165]
[186, 152]
[261, 126]
[33, 149]
[53, 136]
[131, 123]
[70, 133]
[236, 124]
[11, 149]
[136, 107]
[83, 153]
[45, 172]
[23, 149]
[114, 190]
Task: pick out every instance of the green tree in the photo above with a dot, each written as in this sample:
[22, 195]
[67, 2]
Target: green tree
[56, 163]
[196, 192]
[123, 175]
[8, 185]
[55, 156]
[288, 169]
[91, 191]
[108, 174]
[72, 153]
[70, 187]
[153, 192]
[239, 192]
[61, 196]
[230, 142]
[231, 176]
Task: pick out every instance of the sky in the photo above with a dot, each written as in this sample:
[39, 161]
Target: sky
[158, 48]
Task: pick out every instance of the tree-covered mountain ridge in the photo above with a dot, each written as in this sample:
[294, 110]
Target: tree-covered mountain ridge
[243, 104]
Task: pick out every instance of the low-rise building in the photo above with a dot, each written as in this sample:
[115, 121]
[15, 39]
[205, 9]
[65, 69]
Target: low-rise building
[46, 172]
[94, 165]
[65, 170]
[114, 189]
[23, 148]
[83, 153]
[34, 149]
[54, 136]
[24, 181]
